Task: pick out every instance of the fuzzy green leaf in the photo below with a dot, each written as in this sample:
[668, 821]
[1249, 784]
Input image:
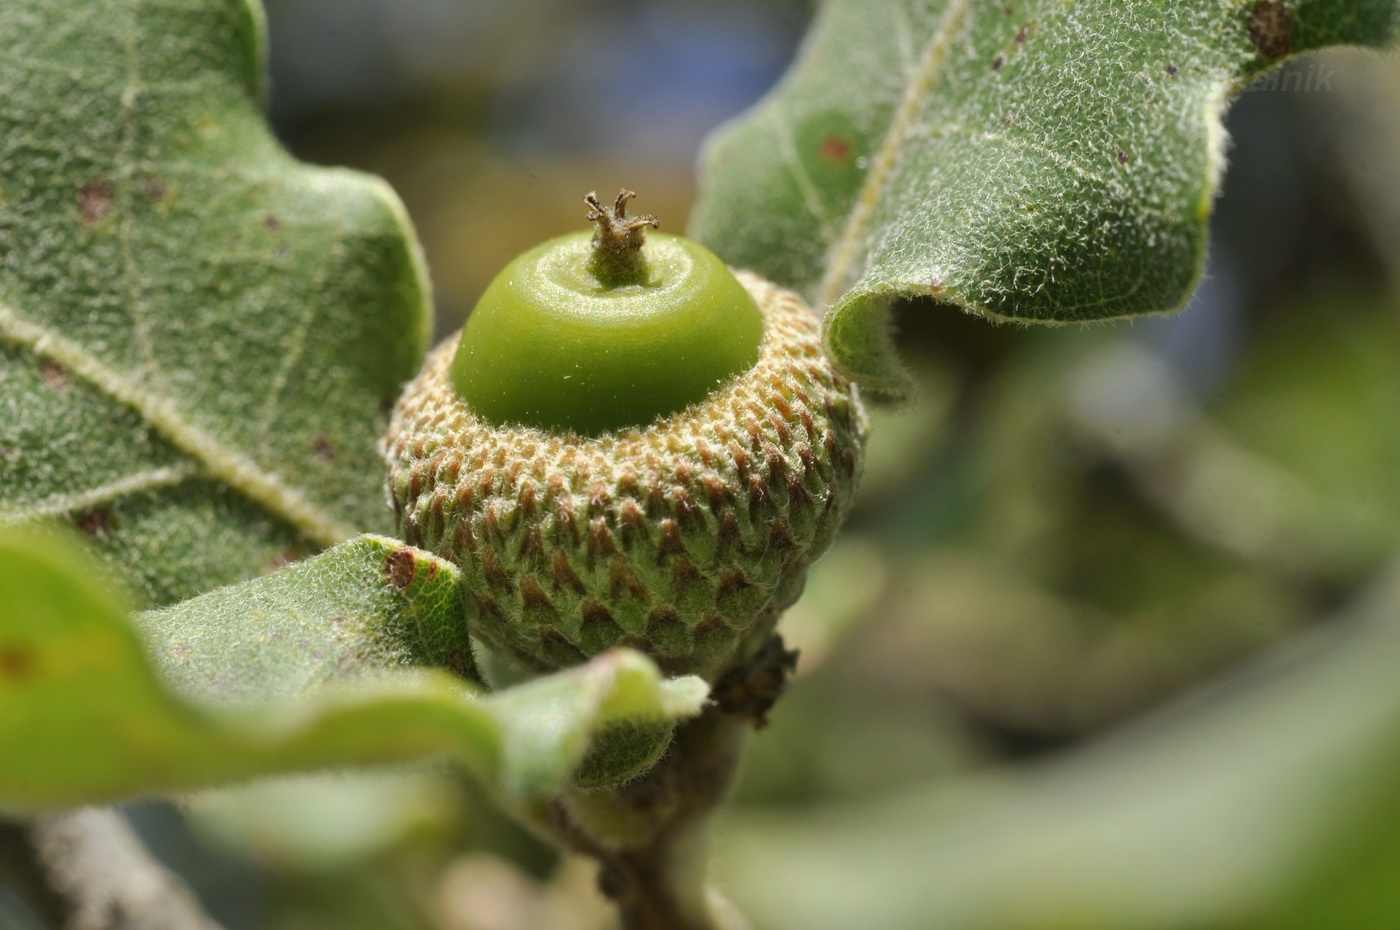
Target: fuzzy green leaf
[86, 718]
[364, 606]
[199, 336]
[1034, 160]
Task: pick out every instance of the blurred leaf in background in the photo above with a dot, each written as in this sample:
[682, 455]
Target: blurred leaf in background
[1073, 529]
[492, 119]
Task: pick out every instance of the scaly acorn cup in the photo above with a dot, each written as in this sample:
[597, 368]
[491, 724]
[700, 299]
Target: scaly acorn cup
[628, 446]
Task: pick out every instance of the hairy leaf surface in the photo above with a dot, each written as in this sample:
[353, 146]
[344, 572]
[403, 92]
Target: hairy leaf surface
[1033, 160]
[364, 606]
[86, 715]
[199, 336]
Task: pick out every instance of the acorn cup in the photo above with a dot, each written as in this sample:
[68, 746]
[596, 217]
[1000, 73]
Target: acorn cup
[628, 446]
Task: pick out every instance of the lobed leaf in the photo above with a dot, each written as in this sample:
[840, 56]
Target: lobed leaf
[1032, 160]
[199, 336]
[86, 718]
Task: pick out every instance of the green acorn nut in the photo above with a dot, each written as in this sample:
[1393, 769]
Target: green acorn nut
[628, 511]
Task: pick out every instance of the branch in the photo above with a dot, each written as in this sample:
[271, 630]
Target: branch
[649, 835]
[88, 870]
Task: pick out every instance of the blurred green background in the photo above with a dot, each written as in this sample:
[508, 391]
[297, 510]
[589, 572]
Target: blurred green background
[998, 720]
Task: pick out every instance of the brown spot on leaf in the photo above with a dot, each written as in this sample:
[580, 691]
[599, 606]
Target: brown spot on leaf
[1023, 34]
[1271, 29]
[95, 200]
[153, 188]
[1124, 157]
[16, 662]
[347, 662]
[1172, 70]
[1008, 9]
[997, 62]
[461, 663]
[935, 287]
[53, 375]
[272, 223]
[96, 522]
[399, 566]
[280, 561]
[835, 149]
[323, 448]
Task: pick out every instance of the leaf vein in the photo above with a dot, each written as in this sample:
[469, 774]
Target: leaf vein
[59, 505]
[811, 197]
[293, 351]
[216, 458]
[931, 68]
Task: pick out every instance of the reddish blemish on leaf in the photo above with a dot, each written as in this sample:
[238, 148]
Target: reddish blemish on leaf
[55, 378]
[280, 561]
[96, 522]
[1024, 33]
[460, 662]
[16, 662]
[399, 566]
[1271, 29]
[95, 200]
[323, 448]
[835, 149]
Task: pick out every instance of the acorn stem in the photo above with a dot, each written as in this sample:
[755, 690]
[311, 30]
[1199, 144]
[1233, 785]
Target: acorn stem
[649, 836]
[617, 257]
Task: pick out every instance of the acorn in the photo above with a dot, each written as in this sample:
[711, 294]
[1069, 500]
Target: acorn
[628, 445]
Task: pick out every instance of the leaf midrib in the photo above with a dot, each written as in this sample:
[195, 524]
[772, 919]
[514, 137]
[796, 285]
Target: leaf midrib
[846, 248]
[215, 457]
